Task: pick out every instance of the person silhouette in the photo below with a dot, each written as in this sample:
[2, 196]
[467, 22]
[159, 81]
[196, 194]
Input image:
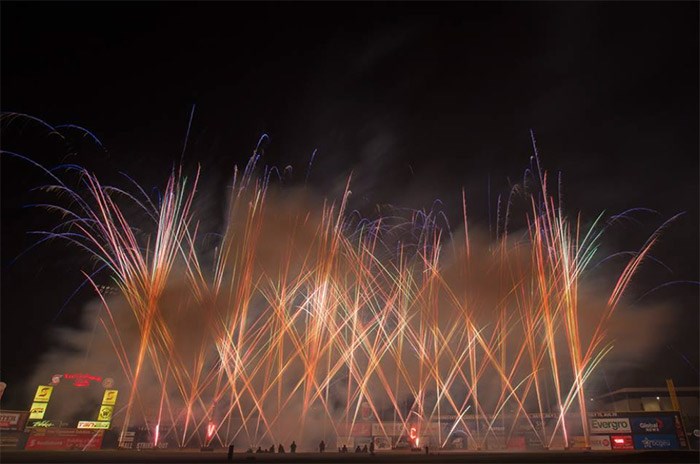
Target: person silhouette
[280, 448]
[322, 446]
[293, 447]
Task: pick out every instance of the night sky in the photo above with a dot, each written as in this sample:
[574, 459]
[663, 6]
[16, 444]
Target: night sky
[417, 100]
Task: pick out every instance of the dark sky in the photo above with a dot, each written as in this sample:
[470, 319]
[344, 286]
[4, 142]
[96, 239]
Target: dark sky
[417, 100]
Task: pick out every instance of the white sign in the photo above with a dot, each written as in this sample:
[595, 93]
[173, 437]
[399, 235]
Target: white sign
[391, 429]
[610, 425]
[600, 442]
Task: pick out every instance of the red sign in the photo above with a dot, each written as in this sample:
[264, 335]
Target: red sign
[622, 442]
[13, 420]
[82, 380]
[49, 439]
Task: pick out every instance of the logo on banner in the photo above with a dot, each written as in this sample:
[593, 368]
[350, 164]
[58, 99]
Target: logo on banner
[110, 397]
[662, 424]
[622, 442]
[655, 426]
[599, 442]
[655, 442]
[607, 425]
[93, 425]
[37, 411]
[43, 393]
[105, 413]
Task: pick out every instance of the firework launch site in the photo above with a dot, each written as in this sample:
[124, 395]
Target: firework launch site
[184, 456]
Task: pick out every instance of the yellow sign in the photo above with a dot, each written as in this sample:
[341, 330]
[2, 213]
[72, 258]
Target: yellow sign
[672, 393]
[43, 393]
[110, 397]
[37, 411]
[105, 413]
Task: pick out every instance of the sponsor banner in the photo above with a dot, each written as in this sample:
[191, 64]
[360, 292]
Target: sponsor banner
[110, 397]
[557, 443]
[50, 439]
[10, 439]
[126, 440]
[621, 442]
[43, 393]
[93, 425]
[546, 415]
[358, 429]
[517, 442]
[603, 414]
[495, 443]
[532, 441]
[382, 443]
[349, 443]
[45, 423]
[429, 428]
[105, 413]
[37, 411]
[655, 441]
[391, 429]
[82, 380]
[600, 442]
[13, 420]
[146, 445]
[609, 425]
[577, 442]
[653, 424]
[535, 423]
[680, 432]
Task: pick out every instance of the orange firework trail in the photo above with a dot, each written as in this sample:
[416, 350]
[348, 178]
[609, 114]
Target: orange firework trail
[308, 323]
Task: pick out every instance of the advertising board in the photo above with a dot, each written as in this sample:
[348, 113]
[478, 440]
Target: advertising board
[358, 429]
[655, 441]
[494, 442]
[391, 429]
[126, 440]
[349, 442]
[382, 443]
[10, 439]
[102, 425]
[557, 442]
[110, 397]
[43, 394]
[600, 442]
[13, 420]
[577, 442]
[517, 442]
[37, 410]
[609, 425]
[49, 439]
[105, 413]
[653, 424]
[621, 442]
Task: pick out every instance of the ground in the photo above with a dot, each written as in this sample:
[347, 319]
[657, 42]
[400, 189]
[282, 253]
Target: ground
[220, 455]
